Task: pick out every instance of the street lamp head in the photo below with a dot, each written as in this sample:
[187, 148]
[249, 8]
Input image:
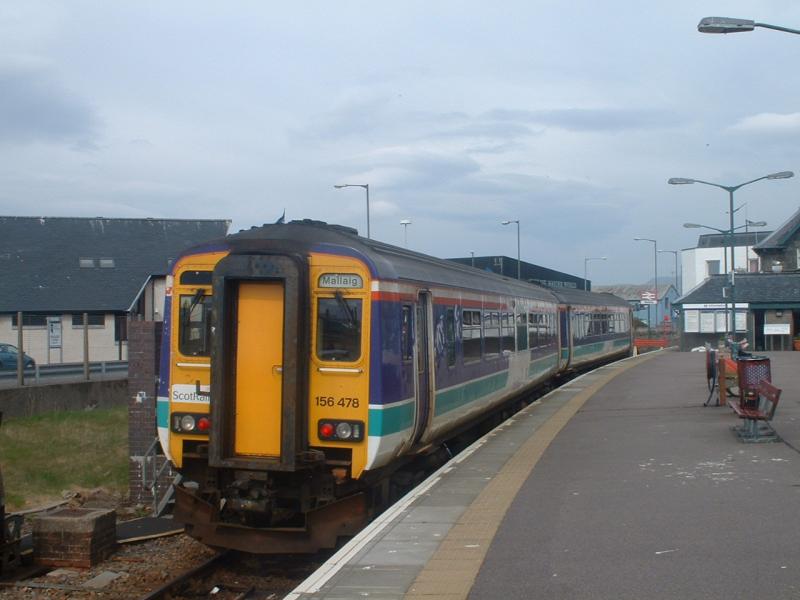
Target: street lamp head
[757, 223]
[724, 25]
[781, 175]
[692, 225]
[338, 187]
[405, 222]
[679, 181]
[508, 222]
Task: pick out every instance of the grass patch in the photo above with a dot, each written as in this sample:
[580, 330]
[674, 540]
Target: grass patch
[45, 455]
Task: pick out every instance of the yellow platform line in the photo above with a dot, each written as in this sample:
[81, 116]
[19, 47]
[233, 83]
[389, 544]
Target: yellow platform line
[452, 570]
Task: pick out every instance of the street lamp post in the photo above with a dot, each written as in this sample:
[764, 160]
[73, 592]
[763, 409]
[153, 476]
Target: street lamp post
[731, 189]
[585, 261]
[519, 263]
[730, 25]
[655, 270]
[361, 185]
[405, 223]
[675, 252]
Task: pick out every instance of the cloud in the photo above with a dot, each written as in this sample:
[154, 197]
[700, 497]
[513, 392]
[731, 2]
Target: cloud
[769, 123]
[35, 108]
[593, 119]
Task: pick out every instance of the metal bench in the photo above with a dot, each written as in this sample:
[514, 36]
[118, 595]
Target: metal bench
[760, 410]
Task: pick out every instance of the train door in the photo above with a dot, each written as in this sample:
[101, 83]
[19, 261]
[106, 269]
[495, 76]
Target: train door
[564, 337]
[422, 364]
[259, 367]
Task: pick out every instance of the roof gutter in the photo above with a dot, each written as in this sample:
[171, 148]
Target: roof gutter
[139, 293]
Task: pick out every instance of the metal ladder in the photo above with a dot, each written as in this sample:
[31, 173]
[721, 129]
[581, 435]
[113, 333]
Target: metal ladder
[150, 465]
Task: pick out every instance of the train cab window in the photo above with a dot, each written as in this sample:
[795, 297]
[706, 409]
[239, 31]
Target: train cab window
[339, 328]
[195, 324]
[471, 335]
[406, 339]
[522, 332]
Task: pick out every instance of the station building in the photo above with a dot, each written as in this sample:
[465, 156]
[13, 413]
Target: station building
[55, 269]
[504, 265]
[658, 315]
[767, 301]
[712, 256]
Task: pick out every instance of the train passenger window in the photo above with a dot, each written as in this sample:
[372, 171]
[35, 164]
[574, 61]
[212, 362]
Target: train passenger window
[522, 332]
[471, 335]
[450, 336]
[194, 337]
[507, 325]
[339, 328]
[491, 333]
[406, 337]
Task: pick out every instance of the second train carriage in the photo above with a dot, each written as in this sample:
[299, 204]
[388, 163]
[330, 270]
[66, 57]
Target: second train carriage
[302, 364]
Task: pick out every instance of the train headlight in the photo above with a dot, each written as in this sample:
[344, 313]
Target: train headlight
[187, 423]
[340, 431]
[344, 431]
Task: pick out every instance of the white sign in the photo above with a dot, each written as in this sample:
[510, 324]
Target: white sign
[691, 321]
[777, 329]
[54, 332]
[717, 305]
[707, 322]
[721, 319]
[182, 392]
[648, 298]
[741, 320]
[340, 280]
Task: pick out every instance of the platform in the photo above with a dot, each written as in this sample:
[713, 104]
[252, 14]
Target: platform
[618, 485]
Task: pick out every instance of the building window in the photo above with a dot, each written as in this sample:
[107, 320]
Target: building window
[106, 263]
[712, 267]
[86, 263]
[95, 320]
[29, 320]
[120, 328]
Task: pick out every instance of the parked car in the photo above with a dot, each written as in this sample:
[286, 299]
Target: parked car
[8, 358]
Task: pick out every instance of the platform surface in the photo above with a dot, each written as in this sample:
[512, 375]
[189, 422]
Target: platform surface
[619, 485]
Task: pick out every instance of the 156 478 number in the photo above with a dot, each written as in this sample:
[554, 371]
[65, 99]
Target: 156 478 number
[331, 401]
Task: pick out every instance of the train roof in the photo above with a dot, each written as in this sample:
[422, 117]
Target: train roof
[389, 262]
[576, 297]
[384, 260]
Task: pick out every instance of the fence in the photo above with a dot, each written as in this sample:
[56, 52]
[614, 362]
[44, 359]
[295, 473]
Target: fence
[34, 345]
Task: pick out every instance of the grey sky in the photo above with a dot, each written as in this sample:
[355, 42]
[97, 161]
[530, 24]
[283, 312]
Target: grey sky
[569, 116]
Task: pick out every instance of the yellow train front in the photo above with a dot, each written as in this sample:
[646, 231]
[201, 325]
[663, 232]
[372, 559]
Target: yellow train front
[302, 366]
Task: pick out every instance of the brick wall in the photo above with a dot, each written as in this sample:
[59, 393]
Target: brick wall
[144, 344]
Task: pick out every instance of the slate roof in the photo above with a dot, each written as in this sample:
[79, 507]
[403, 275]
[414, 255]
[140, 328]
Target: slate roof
[754, 288]
[781, 236]
[40, 259]
[740, 238]
[633, 292]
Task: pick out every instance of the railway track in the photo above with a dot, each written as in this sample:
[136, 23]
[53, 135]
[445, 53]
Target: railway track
[238, 576]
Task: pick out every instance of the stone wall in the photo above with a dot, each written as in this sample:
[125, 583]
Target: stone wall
[36, 399]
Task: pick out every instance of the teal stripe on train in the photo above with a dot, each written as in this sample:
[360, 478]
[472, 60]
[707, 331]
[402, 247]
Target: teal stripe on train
[162, 412]
[386, 421]
[542, 365]
[469, 392]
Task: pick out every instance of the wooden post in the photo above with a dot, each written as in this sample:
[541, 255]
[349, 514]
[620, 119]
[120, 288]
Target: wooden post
[86, 346]
[20, 352]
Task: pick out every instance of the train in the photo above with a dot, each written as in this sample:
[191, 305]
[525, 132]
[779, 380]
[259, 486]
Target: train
[306, 373]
